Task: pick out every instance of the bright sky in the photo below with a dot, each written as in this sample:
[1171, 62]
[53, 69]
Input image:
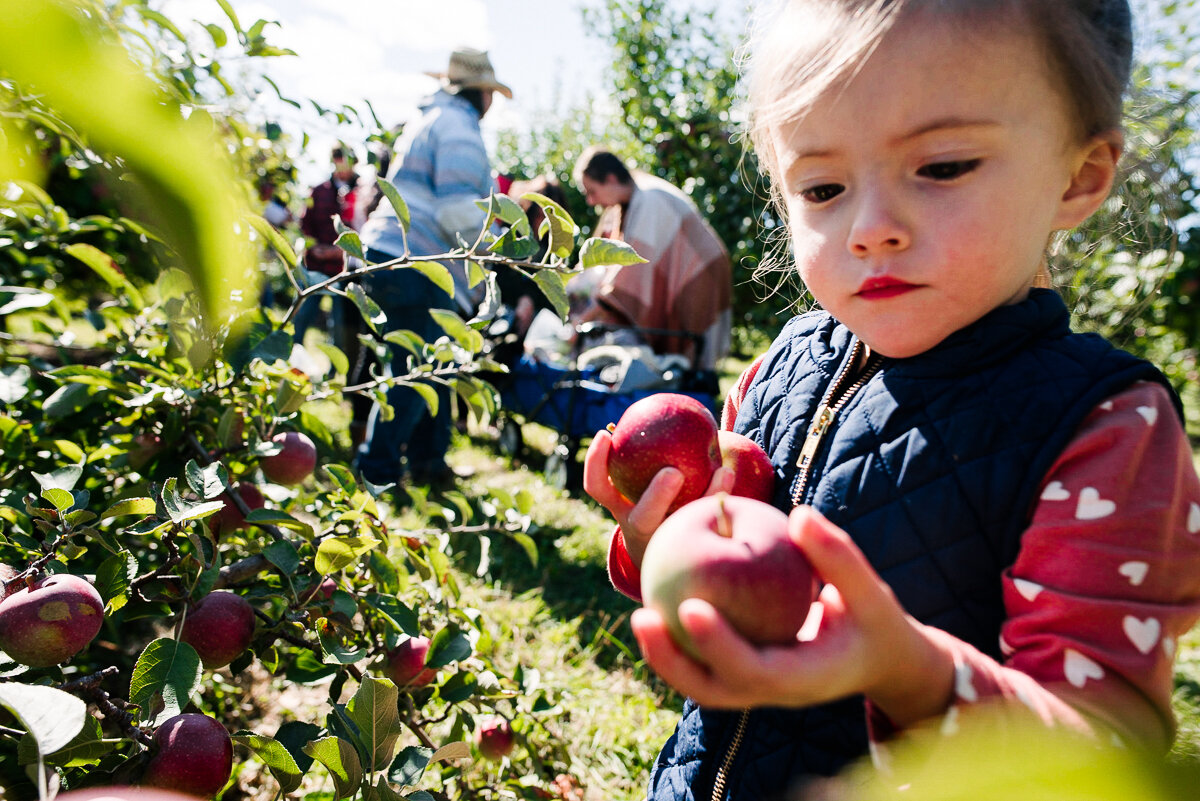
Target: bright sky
[380, 49]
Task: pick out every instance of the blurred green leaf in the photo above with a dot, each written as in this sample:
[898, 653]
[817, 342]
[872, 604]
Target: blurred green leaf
[337, 553]
[52, 717]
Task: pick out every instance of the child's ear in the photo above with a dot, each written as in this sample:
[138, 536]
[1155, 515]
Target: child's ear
[1092, 176]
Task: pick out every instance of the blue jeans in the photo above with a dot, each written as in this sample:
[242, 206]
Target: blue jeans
[406, 297]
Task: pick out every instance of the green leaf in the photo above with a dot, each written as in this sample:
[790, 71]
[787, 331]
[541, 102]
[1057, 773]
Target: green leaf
[348, 239]
[14, 381]
[375, 711]
[336, 651]
[277, 759]
[435, 272]
[60, 498]
[86, 748]
[275, 239]
[409, 765]
[393, 197]
[341, 760]
[165, 677]
[67, 400]
[114, 576]
[181, 510]
[395, 610]
[448, 645]
[130, 506]
[24, 298]
[427, 393]
[342, 476]
[370, 310]
[598, 252]
[337, 553]
[294, 735]
[284, 556]
[104, 266]
[64, 478]
[218, 35]
[453, 325]
[562, 230]
[275, 517]
[337, 357]
[207, 482]
[52, 717]
[229, 12]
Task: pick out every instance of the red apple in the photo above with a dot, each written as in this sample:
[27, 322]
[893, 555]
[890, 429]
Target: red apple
[193, 754]
[220, 628]
[664, 430]
[50, 621]
[736, 554]
[230, 518]
[143, 448]
[123, 793]
[294, 463]
[753, 473]
[405, 664]
[494, 738]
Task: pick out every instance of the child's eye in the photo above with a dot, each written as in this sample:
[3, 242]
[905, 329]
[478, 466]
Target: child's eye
[822, 193]
[948, 170]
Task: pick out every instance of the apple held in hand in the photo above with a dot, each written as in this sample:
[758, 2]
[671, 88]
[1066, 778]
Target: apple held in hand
[664, 430]
[405, 664]
[193, 754]
[736, 554]
[294, 463]
[230, 518]
[753, 473]
[50, 621]
[494, 738]
[220, 628]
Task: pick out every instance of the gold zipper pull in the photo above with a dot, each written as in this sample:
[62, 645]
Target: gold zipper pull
[820, 424]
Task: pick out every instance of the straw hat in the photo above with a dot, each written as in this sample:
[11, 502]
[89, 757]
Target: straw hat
[470, 69]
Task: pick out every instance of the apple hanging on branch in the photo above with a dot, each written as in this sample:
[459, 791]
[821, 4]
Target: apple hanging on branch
[494, 738]
[735, 553]
[192, 754]
[220, 628]
[664, 430]
[405, 664]
[295, 461]
[51, 620]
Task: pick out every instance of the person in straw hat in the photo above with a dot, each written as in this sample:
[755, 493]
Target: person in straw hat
[440, 168]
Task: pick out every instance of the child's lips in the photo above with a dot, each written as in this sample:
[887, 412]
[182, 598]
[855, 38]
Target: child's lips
[881, 287]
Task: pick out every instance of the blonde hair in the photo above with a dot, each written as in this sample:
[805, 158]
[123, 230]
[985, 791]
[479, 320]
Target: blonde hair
[799, 50]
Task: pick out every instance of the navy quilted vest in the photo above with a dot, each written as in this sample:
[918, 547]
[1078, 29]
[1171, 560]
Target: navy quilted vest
[932, 467]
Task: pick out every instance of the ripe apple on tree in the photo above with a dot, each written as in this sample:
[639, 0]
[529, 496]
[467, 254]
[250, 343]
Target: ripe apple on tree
[405, 664]
[220, 628]
[494, 738]
[294, 463]
[51, 620]
[736, 554]
[192, 754]
[664, 430]
[753, 473]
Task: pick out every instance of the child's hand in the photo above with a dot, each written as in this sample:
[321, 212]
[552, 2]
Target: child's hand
[638, 521]
[865, 643]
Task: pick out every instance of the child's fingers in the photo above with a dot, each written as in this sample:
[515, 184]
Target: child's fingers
[651, 508]
[838, 561]
[722, 481]
[595, 476]
[685, 674]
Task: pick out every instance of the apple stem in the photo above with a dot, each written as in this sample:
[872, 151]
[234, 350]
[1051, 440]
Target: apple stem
[611, 427]
[724, 524]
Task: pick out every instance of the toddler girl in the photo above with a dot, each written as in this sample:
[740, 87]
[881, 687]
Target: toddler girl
[1001, 510]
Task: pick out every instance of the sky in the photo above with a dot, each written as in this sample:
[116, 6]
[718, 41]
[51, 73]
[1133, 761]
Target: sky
[380, 49]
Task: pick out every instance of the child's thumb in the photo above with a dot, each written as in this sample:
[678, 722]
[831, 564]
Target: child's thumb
[837, 560]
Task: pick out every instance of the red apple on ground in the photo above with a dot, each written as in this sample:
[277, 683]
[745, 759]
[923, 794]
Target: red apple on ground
[736, 554]
[405, 664]
[753, 473]
[230, 518]
[664, 430]
[193, 754]
[294, 463]
[220, 628]
[494, 738]
[50, 621]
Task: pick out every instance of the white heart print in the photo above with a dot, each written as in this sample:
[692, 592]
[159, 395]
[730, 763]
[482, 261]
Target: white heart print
[1079, 668]
[1055, 491]
[1148, 413]
[1092, 506]
[1135, 572]
[1193, 523]
[1029, 589]
[1142, 633]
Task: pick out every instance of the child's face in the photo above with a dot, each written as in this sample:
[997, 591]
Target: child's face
[922, 195]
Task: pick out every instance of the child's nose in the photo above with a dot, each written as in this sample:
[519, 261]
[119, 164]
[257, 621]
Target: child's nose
[877, 227]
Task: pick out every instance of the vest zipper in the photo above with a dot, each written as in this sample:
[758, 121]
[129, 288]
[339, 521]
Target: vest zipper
[836, 398]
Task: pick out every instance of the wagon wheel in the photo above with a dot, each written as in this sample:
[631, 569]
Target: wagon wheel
[510, 442]
[563, 471]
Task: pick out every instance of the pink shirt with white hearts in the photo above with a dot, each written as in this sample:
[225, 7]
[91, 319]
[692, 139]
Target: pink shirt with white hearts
[1106, 581]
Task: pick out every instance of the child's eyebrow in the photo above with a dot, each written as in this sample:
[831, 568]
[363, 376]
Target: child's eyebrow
[945, 124]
